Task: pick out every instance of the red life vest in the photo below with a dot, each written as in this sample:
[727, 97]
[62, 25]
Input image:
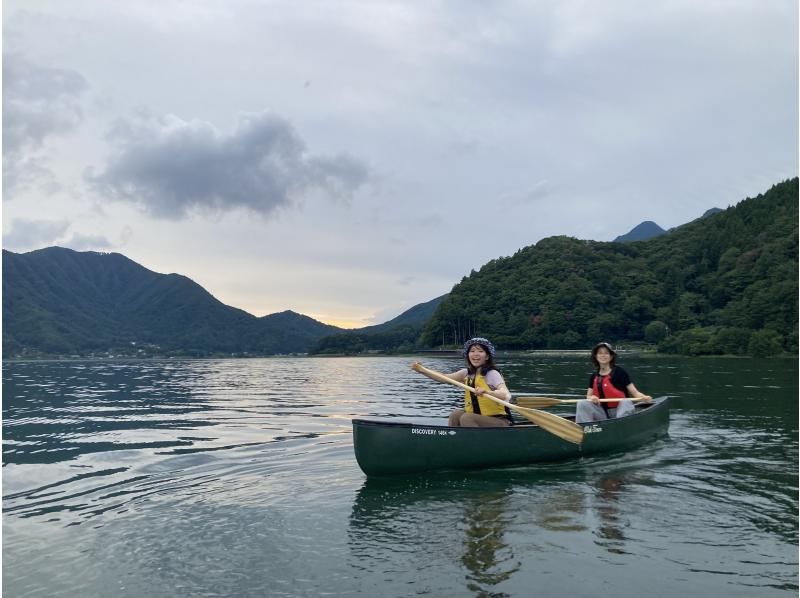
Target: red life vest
[608, 390]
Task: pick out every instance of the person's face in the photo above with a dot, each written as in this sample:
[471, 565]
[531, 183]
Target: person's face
[603, 355]
[477, 355]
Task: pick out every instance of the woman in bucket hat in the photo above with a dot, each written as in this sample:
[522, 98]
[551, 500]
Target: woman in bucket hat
[482, 375]
[608, 382]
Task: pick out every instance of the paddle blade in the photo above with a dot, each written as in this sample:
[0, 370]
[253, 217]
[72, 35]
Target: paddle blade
[563, 428]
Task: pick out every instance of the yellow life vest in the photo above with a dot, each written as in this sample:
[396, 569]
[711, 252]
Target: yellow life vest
[485, 406]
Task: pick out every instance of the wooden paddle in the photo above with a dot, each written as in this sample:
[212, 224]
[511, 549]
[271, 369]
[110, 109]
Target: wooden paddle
[542, 402]
[558, 426]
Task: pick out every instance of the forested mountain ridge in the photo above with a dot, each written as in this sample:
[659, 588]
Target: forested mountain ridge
[418, 315]
[649, 229]
[725, 283]
[399, 334]
[58, 301]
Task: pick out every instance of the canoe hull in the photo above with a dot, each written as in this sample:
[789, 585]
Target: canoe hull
[390, 448]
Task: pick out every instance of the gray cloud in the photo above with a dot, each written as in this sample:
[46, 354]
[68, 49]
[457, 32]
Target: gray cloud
[171, 167]
[33, 234]
[26, 235]
[38, 102]
[80, 242]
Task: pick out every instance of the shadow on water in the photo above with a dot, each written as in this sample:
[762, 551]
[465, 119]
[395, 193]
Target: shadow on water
[446, 523]
[488, 556]
[610, 533]
[480, 529]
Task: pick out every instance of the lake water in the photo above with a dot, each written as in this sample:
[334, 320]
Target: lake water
[237, 478]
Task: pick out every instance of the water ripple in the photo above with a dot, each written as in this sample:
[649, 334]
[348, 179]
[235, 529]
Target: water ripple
[237, 477]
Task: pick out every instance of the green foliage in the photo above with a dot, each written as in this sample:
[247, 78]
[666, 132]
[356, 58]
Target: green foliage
[764, 343]
[695, 341]
[61, 302]
[733, 341]
[714, 285]
[655, 332]
[401, 339]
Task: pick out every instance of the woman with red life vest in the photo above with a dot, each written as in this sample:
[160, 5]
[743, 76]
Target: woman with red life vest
[481, 375]
[609, 382]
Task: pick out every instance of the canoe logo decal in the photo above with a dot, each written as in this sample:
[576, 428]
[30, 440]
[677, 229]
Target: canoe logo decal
[592, 429]
[430, 432]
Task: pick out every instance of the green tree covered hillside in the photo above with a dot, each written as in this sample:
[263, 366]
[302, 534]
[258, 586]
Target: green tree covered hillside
[722, 284]
[58, 301]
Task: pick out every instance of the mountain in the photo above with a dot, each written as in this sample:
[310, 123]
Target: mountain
[726, 283]
[723, 283]
[649, 229]
[58, 301]
[646, 230]
[398, 335]
[711, 212]
[414, 316]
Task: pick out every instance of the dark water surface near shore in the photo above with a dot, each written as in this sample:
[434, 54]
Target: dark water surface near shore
[237, 478]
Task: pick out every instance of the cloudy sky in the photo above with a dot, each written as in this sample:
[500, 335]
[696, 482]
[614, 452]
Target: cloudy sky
[350, 159]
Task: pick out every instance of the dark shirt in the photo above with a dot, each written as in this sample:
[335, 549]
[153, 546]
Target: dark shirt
[619, 379]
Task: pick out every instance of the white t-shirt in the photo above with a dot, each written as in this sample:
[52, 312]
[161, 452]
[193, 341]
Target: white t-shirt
[493, 378]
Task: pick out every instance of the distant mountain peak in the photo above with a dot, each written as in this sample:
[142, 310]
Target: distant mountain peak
[646, 230]
[649, 229]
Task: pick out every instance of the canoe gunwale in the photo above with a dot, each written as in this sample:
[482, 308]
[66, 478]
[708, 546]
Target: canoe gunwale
[386, 447]
[641, 409]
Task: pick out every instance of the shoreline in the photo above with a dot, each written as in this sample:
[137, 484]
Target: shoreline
[430, 353]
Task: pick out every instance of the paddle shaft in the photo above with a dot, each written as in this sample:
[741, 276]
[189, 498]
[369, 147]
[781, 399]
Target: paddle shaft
[442, 378]
[558, 426]
[555, 401]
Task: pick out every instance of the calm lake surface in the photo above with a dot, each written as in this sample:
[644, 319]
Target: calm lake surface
[237, 478]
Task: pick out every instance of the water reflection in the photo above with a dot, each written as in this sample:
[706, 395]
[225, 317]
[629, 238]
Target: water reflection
[488, 557]
[588, 501]
[504, 517]
[62, 411]
[414, 517]
[563, 511]
[610, 534]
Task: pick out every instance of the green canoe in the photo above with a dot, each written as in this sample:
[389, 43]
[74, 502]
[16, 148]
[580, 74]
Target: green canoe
[387, 448]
